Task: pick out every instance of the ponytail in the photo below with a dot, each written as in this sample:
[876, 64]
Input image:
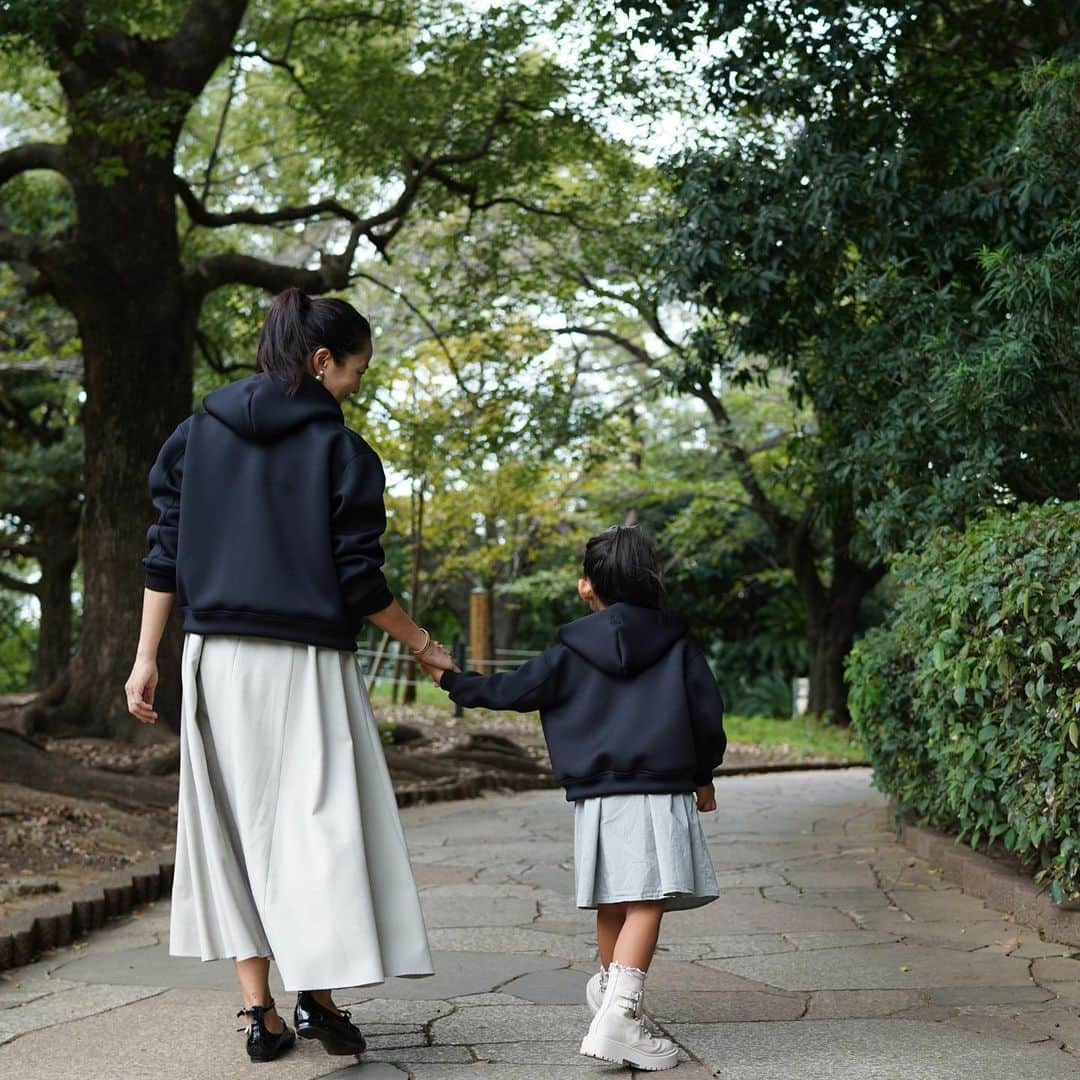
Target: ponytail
[297, 324]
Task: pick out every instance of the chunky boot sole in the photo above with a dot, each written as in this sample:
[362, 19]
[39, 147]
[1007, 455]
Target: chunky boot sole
[330, 1044]
[595, 1046]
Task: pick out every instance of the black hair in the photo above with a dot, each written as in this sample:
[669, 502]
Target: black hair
[297, 324]
[621, 566]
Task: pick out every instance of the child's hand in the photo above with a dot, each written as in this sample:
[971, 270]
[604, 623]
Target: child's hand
[434, 673]
[706, 798]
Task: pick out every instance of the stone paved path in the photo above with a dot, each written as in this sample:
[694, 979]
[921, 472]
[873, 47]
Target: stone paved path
[832, 953]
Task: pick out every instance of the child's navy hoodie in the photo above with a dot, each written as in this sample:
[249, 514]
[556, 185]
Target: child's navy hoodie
[628, 704]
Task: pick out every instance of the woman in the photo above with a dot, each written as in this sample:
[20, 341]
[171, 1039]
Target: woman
[289, 844]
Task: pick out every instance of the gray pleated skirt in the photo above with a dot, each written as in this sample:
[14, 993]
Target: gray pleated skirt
[641, 847]
[288, 840]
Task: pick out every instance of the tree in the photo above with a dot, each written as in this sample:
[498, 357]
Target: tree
[130, 110]
[42, 482]
[827, 236]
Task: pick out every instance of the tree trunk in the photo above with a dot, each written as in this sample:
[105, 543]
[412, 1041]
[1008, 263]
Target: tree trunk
[829, 646]
[137, 328]
[24, 762]
[833, 622]
[59, 554]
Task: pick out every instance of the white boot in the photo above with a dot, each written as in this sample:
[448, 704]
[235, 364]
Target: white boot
[618, 1033]
[594, 995]
[594, 990]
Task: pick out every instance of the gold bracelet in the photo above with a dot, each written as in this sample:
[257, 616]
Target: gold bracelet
[427, 642]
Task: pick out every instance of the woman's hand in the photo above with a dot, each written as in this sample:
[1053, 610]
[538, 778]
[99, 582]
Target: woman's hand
[435, 655]
[139, 689]
[706, 798]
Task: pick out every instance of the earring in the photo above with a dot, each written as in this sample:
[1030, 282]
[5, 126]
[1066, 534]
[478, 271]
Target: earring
[320, 375]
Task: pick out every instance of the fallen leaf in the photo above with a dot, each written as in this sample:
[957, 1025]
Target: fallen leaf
[904, 967]
[1008, 944]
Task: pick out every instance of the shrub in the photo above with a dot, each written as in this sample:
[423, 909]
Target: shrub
[968, 701]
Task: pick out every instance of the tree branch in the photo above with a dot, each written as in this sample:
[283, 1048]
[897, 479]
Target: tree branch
[38, 155]
[201, 40]
[18, 585]
[779, 524]
[233, 268]
[214, 357]
[201, 216]
[638, 352]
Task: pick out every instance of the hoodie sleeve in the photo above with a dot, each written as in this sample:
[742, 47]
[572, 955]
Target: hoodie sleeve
[706, 715]
[166, 478]
[358, 520]
[526, 689]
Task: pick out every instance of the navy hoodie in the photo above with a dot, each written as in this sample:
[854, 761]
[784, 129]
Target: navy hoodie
[270, 513]
[628, 704]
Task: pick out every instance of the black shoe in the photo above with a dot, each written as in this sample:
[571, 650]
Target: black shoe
[263, 1044]
[333, 1029]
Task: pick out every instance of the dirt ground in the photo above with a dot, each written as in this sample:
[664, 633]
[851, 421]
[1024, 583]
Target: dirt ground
[54, 843]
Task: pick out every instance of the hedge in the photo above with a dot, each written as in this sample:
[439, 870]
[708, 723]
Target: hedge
[968, 700]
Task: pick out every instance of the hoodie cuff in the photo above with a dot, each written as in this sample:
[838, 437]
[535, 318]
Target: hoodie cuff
[703, 779]
[370, 604]
[160, 580]
[448, 679]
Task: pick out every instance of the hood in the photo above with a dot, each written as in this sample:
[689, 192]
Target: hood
[623, 639]
[259, 409]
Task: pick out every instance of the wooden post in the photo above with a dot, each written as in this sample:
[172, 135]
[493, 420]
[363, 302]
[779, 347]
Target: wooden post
[479, 621]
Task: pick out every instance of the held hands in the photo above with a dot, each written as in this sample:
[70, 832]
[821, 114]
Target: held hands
[139, 689]
[434, 659]
[706, 798]
[434, 673]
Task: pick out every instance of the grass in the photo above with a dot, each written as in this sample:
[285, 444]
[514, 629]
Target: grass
[426, 694]
[801, 734]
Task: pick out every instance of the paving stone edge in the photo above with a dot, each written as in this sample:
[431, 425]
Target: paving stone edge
[1002, 886]
[58, 922]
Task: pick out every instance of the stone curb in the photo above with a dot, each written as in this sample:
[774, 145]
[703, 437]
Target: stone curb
[795, 766]
[57, 922]
[1001, 885]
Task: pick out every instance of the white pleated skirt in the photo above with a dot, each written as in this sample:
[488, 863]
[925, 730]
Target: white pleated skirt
[288, 840]
[641, 847]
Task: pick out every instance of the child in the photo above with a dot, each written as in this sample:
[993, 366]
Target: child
[634, 727]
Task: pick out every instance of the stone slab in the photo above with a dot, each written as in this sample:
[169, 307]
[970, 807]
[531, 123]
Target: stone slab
[498, 1071]
[562, 987]
[720, 1007]
[67, 1006]
[505, 1023]
[877, 967]
[864, 1050]
[857, 1004]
